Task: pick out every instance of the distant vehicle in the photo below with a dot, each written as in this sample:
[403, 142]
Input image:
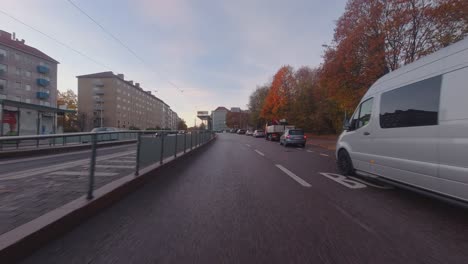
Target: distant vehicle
[241, 131]
[259, 133]
[249, 133]
[293, 137]
[410, 128]
[105, 129]
[274, 131]
[103, 137]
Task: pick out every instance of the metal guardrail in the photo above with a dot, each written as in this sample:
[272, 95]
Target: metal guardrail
[51, 140]
[153, 147]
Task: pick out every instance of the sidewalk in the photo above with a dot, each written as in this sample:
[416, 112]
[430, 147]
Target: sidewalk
[324, 141]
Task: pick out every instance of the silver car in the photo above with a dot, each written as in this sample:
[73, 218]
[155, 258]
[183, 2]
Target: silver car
[293, 137]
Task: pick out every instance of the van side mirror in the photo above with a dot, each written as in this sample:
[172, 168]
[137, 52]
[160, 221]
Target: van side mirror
[346, 125]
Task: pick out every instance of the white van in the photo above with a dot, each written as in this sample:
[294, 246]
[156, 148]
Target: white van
[411, 127]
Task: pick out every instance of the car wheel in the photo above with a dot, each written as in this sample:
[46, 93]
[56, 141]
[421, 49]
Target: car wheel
[345, 164]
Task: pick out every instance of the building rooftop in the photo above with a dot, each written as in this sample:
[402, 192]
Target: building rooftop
[9, 40]
[110, 74]
[221, 108]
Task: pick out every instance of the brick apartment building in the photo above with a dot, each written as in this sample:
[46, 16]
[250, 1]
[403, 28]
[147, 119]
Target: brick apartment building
[108, 100]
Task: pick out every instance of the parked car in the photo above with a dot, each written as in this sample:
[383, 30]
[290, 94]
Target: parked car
[241, 131]
[293, 137]
[102, 136]
[410, 128]
[249, 133]
[259, 133]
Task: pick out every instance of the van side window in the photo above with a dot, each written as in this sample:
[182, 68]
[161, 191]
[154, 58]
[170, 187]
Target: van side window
[365, 113]
[362, 115]
[416, 104]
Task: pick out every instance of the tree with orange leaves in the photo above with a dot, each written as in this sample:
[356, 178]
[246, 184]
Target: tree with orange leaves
[277, 102]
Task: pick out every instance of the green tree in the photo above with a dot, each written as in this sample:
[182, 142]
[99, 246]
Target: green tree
[181, 125]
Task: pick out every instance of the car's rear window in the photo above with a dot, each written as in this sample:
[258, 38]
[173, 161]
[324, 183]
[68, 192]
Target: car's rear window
[296, 132]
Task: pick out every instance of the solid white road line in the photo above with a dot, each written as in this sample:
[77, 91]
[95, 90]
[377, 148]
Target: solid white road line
[325, 155]
[260, 153]
[354, 219]
[248, 145]
[52, 156]
[310, 151]
[133, 160]
[371, 184]
[62, 166]
[115, 166]
[293, 176]
[82, 173]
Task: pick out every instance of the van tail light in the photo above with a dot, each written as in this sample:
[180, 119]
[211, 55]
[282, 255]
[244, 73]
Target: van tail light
[305, 137]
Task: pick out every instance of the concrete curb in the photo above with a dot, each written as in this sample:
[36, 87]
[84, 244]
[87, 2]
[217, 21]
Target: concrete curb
[56, 150]
[25, 239]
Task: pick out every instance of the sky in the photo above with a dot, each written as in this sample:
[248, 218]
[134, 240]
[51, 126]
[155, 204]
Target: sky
[217, 52]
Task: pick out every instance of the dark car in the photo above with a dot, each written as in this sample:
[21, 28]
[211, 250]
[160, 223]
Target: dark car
[293, 137]
[241, 131]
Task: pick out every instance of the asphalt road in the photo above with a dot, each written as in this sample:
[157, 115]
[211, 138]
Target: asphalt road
[31, 187]
[246, 200]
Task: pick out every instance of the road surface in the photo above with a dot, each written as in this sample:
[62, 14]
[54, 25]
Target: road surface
[246, 200]
[31, 187]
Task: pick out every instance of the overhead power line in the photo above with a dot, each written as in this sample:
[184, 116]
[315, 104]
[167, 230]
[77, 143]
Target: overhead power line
[123, 44]
[56, 40]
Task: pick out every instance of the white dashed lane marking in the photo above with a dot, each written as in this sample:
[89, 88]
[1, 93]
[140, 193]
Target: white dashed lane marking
[259, 153]
[293, 176]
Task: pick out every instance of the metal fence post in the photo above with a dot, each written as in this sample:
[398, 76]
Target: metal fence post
[175, 148]
[92, 167]
[185, 142]
[162, 149]
[137, 165]
[191, 140]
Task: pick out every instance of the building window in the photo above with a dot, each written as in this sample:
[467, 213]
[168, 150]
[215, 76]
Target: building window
[28, 87]
[17, 85]
[18, 71]
[3, 84]
[27, 73]
[28, 101]
[3, 53]
[17, 56]
[17, 98]
[46, 103]
[412, 105]
[2, 96]
[3, 69]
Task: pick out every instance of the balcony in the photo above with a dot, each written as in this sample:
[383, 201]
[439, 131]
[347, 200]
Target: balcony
[42, 69]
[99, 100]
[98, 108]
[99, 91]
[42, 82]
[42, 95]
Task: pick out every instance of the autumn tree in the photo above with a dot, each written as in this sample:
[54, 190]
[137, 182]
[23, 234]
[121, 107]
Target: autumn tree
[256, 101]
[278, 101]
[69, 100]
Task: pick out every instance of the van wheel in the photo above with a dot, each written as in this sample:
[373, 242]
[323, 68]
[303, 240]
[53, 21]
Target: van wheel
[345, 164]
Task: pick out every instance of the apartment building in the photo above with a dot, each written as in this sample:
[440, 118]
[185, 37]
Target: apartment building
[218, 117]
[108, 100]
[28, 88]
